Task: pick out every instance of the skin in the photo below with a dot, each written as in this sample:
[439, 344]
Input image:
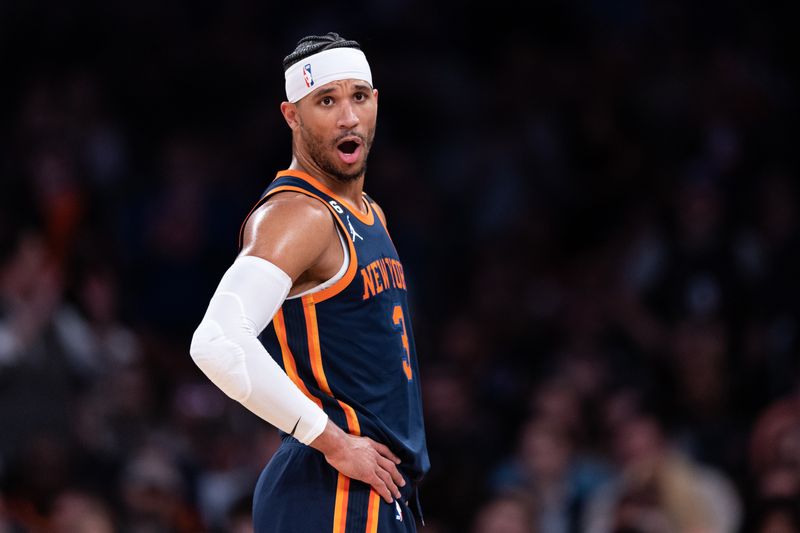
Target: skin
[298, 234]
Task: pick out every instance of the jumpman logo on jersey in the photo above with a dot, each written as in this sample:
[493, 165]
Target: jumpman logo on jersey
[353, 233]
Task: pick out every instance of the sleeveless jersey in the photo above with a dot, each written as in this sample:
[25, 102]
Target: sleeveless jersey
[350, 347]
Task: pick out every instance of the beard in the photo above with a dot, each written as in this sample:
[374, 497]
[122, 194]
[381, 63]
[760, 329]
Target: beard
[321, 155]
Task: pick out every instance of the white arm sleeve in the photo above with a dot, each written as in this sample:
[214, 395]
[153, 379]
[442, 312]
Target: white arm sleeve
[226, 348]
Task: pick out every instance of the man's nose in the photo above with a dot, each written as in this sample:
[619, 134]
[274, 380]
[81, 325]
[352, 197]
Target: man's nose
[348, 118]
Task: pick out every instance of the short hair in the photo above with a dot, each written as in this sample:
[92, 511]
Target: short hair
[312, 44]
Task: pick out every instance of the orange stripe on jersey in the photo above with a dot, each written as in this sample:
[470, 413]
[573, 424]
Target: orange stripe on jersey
[372, 511]
[368, 218]
[352, 419]
[315, 354]
[288, 358]
[340, 506]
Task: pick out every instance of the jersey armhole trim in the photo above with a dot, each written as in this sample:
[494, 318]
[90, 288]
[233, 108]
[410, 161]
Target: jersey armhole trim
[336, 277]
[349, 274]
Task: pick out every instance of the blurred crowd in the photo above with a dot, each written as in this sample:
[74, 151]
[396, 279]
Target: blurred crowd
[597, 209]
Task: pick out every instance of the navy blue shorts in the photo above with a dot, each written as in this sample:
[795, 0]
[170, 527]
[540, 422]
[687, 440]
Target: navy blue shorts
[299, 492]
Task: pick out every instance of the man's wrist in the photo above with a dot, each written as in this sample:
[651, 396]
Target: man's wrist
[330, 441]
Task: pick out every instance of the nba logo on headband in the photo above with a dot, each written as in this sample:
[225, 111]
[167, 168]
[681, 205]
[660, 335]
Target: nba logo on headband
[307, 75]
[329, 65]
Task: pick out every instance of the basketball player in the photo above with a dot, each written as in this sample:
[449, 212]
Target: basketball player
[319, 280]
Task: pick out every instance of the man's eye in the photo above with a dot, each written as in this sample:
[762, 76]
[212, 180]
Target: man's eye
[327, 100]
[360, 96]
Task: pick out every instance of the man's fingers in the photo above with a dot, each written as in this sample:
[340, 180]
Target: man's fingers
[390, 467]
[387, 480]
[374, 464]
[385, 451]
[380, 487]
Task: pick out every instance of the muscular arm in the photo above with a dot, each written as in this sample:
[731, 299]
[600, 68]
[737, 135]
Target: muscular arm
[298, 235]
[289, 241]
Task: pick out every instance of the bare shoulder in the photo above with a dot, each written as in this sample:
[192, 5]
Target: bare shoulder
[291, 230]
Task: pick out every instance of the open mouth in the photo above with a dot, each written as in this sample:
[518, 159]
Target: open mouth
[348, 147]
[349, 150]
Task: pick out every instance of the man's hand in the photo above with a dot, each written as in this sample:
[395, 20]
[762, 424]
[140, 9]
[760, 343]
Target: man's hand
[363, 459]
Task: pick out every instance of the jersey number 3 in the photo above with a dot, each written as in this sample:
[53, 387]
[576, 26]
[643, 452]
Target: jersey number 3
[399, 320]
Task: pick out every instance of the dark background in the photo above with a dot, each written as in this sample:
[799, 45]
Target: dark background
[596, 204]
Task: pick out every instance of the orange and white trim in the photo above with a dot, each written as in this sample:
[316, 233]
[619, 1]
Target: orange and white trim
[367, 218]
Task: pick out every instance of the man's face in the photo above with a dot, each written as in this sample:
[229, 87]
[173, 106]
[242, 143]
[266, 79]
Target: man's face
[336, 125]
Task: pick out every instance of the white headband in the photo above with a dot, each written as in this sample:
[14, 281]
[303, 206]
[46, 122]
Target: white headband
[324, 67]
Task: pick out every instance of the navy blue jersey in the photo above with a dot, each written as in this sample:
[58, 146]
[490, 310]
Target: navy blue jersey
[350, 347]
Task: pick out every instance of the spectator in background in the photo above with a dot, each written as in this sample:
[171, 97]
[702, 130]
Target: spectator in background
[557, 480]
[231, 456]
[154, 495]
[94, 337]
[455, 486]
[701, 364]
[31, 285]
[37, 379]
[75, 511]
[775, 462]
[659, 488]
[779, 516]
[507, 513]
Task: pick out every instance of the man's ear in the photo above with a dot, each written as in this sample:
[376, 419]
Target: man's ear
[289, 112]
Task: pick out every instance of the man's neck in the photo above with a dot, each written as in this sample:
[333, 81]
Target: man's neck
[350, 190]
